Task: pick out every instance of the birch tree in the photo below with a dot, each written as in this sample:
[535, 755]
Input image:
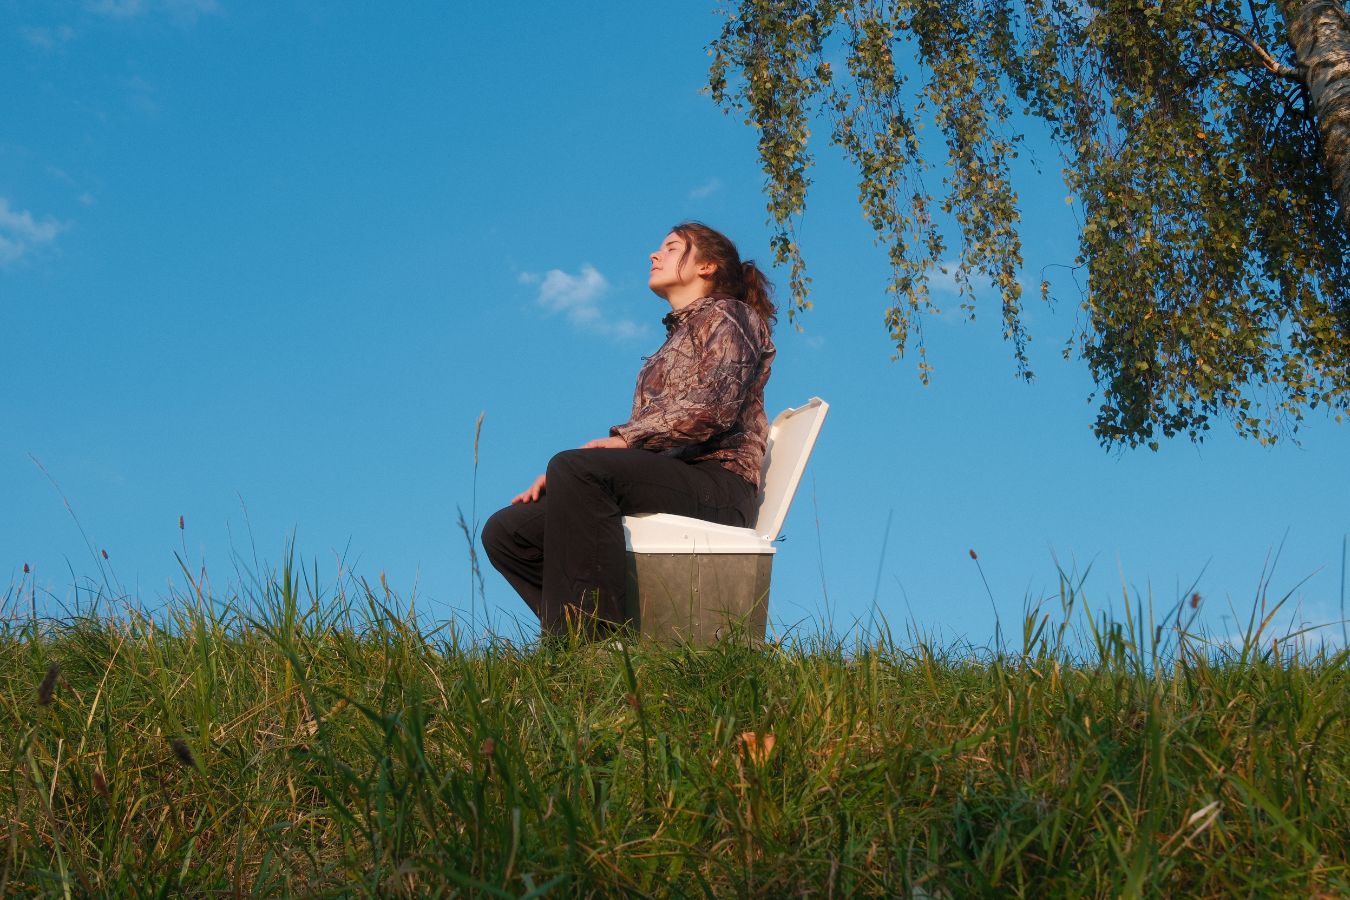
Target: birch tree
[1206, 149]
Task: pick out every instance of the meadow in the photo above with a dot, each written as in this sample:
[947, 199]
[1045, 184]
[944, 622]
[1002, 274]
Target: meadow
[287, 737]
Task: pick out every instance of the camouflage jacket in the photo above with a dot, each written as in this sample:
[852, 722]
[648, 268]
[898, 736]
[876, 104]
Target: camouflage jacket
[701, 396]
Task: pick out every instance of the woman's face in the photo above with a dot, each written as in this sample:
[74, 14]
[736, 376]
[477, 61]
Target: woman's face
[673, 267]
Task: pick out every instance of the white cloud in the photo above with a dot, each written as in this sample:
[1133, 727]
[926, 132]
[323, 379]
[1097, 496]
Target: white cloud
[706, 189]
[578, 297]
[20, 233]
[574, 294]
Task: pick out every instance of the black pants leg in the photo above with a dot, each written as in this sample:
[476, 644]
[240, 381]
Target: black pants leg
[564, 554]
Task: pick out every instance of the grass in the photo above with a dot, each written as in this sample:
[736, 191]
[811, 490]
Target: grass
[287, 739]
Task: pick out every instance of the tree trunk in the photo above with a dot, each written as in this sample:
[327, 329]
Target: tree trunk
[1319, 31]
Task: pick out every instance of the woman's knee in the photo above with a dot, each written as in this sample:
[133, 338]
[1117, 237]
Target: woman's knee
[492, 532]
[497, 532]
[567, 464]
[515, 530]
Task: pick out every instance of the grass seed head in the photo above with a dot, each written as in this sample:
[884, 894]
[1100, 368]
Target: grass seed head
[1195, 600]
[183, 752]
[180, 523]
[26, 570]
[972, 555]
[105, 554]
[47, 689]
[101, 784]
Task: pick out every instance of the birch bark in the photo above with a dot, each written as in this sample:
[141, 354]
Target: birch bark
[1319, 32]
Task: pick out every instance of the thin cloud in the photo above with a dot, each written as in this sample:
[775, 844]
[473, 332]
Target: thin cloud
[61, 175]
[946, 288]
[626, 330]
[117, 9]
[45, 38]
[21, 233]
[942, 279]
[140, 95]
[184, 11]
[706, 189]
[1306, 626]
[578, 298]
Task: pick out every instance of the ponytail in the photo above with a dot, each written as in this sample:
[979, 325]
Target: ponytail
[757, 292]
[743, 280]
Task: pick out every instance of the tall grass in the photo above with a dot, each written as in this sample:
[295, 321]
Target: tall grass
[292, 738]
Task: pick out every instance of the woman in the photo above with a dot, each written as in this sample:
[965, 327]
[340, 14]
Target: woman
[693, 445]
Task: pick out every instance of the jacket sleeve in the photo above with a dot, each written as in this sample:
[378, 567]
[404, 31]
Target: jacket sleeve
[705, 386]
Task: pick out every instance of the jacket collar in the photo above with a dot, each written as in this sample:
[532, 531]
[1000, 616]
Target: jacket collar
[673, 318]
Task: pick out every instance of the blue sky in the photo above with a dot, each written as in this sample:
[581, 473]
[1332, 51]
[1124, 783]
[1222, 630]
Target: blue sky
[262, 266]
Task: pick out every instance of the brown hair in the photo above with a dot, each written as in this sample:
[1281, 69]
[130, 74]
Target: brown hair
[743, 280]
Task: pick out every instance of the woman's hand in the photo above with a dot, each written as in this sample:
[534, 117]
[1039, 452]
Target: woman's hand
[536, 490]
[531, 493]
[612, 443]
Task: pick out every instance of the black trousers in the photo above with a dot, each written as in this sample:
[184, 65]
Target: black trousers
[564, 554]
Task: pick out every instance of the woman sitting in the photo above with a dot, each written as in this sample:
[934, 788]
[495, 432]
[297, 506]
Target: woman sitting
[693, 445]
